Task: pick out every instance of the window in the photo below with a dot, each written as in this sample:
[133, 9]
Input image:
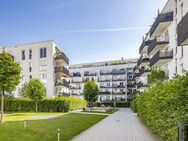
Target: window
[43, 76]
[30, 77]
[176, 68]
[42, 52]
[23, 54]
[181, 51]
[30, 67]
[30, 54]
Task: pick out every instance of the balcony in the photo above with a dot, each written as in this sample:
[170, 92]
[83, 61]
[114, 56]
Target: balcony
[161, 23]
[158, 44]
[62, 70]
[144, 46]
[143, 61]
[118, 86]
[118, 79]
[183, 31]
[104, 93]
[131, 85]
[105, 87]
[64, 94]
[90, 74]
[75, 88]
[118, 72]
[78, 81]
[76, 74]
[144, 72]
[104, 80]
[140, 85]
[62, 82]
[105, 73]
[118, 93]
[161, 58]
[62, 57]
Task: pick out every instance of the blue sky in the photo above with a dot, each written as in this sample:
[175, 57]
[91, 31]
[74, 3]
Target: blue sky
[86, 30]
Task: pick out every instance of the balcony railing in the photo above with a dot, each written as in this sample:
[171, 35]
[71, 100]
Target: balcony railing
[90, 74]
[143, 60]
[119, 79]
[75, 88]
[161, 55]
[75, 75]
[63, 94]
[78, 81]
[140, 85]
[118, 86]
[62, 56]
[104, 87]
[62, 82]
[144, 44]
[116, 72]
[104, 93]
[62, 70]
[183, 31]
[105, 73]
[157, 29]
[131, 85]
[118, 93]
[158, 44]
[104, 80]
[143, 71]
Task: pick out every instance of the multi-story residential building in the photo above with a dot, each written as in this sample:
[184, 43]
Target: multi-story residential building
[115, 79]
[42, 60]
[164, 46]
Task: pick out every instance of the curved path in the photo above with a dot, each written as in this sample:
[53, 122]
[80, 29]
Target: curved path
[123, 125]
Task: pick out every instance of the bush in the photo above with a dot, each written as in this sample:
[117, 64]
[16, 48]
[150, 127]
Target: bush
[63, 104]
[111, 104]
[164, 105]
[133, 105]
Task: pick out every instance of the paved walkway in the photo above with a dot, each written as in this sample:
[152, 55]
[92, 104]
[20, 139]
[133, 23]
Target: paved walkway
[123, 125]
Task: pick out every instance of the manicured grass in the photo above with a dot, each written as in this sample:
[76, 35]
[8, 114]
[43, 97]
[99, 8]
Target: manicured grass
[46, 129]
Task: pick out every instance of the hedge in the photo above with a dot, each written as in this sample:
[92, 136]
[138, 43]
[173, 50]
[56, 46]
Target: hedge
[163, 105]
[63, 104]
[111, 104]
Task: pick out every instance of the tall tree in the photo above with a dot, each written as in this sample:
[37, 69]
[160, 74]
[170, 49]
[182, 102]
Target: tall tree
[10, 72]
[91, 92]
[156, 75]
[35, 90]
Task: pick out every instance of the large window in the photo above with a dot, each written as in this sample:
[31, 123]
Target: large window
[30, 54]
[42, 52]
[30, 67]
[23, 54]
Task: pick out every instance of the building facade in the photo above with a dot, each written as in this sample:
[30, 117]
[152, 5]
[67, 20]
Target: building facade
[115, 79]
[165, 45]
[42, 60]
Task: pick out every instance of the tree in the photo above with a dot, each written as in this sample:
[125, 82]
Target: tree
[35, 90]
[23, 90]
[91, 92]
[10, 72]
[156, 75]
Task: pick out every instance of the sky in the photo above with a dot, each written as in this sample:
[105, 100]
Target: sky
[86, 30]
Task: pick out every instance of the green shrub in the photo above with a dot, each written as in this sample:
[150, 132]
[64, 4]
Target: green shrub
[133, 105]
[63, 104]
[111, 104]
[164, 105]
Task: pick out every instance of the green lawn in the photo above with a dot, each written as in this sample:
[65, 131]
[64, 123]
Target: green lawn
[46, 129]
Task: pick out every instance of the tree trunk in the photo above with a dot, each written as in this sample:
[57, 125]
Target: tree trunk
[36, 107]
[2, 106]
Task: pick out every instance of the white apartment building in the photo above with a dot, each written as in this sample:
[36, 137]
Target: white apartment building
[115, 79]
[42, 60]
[164, 46]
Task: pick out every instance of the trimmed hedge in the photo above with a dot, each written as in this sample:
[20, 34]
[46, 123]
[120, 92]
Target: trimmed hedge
[163, 105]
[111, 104]
[63, 104]
[133, 105]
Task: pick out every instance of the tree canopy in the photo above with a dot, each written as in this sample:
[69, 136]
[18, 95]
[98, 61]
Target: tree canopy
[156, 75]
[35, 90]
[91, 91]
[10, 75]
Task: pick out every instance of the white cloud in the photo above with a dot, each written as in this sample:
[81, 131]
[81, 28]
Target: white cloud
[104, 30]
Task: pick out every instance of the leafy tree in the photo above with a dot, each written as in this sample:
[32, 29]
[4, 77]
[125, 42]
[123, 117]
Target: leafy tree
[156, 75]
[91, 92]
[36, 91]
[10, 72]
[23, 90]
[133, 94]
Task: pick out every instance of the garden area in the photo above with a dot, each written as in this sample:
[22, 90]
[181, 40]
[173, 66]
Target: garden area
[163, 105]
